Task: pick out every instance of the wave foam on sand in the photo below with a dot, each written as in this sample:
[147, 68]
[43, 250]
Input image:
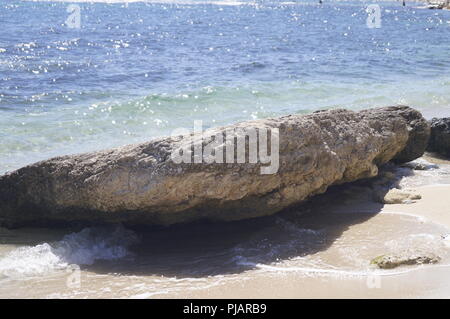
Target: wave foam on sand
[81, 248]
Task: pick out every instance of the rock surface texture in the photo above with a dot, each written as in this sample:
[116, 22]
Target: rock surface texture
[408, 258]
[141, 184]
[440, 136]
[400, 196]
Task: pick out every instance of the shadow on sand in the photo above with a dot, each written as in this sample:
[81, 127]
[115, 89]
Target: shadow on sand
[207, 249]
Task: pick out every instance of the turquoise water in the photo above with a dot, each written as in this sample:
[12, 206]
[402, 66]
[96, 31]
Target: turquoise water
[136, 71]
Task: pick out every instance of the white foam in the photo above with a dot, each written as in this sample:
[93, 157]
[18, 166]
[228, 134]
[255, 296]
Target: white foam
[432, 175]
[82, 248]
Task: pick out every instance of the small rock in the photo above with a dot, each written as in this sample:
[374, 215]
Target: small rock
[420, 164]
[405, 258]
[420, 167]
[416, 166]
[398, 196]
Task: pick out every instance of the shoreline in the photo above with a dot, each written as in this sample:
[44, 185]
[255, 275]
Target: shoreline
[356, 229]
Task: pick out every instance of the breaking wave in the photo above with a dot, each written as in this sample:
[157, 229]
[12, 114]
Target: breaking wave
[81, 248]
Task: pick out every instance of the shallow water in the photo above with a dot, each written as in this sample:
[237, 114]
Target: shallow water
[133, 72]
[139, 70]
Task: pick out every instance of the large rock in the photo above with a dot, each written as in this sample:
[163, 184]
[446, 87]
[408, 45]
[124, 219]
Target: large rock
[142, 184]
[440, 136]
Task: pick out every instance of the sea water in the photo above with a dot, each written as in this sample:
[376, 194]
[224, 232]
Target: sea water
[135, 71]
